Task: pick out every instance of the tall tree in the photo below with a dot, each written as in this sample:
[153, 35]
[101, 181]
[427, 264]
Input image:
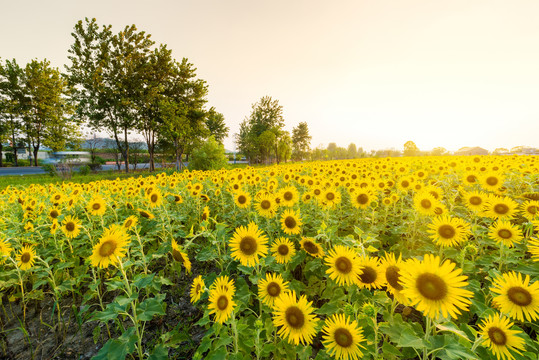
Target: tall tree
[410, 149]
[12, 99]
[215, 122]
[352, 151]
[301, 141]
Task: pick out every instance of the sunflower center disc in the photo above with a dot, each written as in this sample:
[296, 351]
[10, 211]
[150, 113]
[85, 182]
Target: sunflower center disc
[153, 198]
[532, 209]
[288, 196]
[144, 214]
[343, 337]
[475, 200]
[470, 178]
[425, 203]
[343, 264]
[248, 245]
[446, 231]
[519, 296]
[265, 204]
[310, 247]
[405, 184]
[222, 302]
[96, 206]
[273, 289]
[369, 275]
[492, 181]
[290, 222]
[431, 286]
[317, 191]
[330, 196]
[54, 214]
[107, 248]
[362, 199]
[128, 223]
[198, 288]
[392, 277]
[70, 226]
[242, 199]
[501, 209]
[25, 257]
[505, 234]
[177, 255]
[282, 250]
[294, 317]
[497, 336]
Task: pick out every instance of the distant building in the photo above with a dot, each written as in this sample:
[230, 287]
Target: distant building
[471, 151]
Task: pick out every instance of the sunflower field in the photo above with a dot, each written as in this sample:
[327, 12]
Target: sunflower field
[394, 258]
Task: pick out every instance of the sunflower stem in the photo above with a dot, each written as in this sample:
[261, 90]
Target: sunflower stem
[428, 330]
[500, 265]
[235, 331]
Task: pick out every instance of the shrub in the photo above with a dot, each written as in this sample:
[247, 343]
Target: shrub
[210, 156]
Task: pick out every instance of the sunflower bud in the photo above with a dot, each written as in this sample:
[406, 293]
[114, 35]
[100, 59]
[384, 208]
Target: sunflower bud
[369, 309]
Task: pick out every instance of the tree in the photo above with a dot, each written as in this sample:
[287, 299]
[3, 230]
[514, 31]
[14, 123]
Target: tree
[45, 109]
[284, 147]
[215, 122]
[301, 141]
[352, 151]
[210, 156]
[11, 100]
[332, 150]
[498, 151]
[410, 149]
[438, 151]
[266, 115]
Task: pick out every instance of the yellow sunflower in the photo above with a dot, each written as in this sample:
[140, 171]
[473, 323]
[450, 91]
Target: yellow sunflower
[71, 227]
[362, 198]
[291, 222]
[54, 213]
[111, 247]
[343, 337]
[502, 231]
[283, 250]
[130, 222]
[221, 304]
[145, 214]
[426, 204]
[289, 196]
[435, 288]
[391, 268]
[371, 276]
[197, 289]
[205, 214]
[271, 287]
[343, 264]
[26, 257]
[500, 207]
[97, 206]
[500, 339]
[225, 283]
[312, 247]
[248, 244]
[533, 248]
[295, 317]
[530, 209]
[474, 200]
[447, 231]
[492, 181]
[179, 255]
[516, 296]
[330, 198]
[266, 205]
[242, 199]
[5, 250]
[154, 198]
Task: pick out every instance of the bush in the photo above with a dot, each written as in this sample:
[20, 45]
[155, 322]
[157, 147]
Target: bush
[210, 156]
[85, 169]
[50, 169]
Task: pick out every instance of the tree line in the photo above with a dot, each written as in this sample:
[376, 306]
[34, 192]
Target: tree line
[117, 82]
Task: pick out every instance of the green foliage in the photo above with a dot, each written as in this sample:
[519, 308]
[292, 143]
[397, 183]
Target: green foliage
[210, 156]
[301, 140]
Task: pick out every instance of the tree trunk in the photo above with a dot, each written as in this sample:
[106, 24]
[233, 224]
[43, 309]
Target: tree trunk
[126, 152]
[1, 155]
[16, 163]
[177, 155]
[36, 150]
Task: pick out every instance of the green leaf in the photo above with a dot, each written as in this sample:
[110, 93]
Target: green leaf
[452, 328]
[409, 338]
[389, 349]
[328, 308]
[217, 354]
[206, 254]
[143, 280]
[117, 349]
[160, 352]
[111, 312]
[150, 307]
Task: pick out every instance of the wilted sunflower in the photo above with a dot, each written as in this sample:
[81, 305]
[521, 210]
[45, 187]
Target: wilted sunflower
[500, 207]
[342, 338]
[343, 264]
[291, 222]
[221, 304]
[283, 250]
[97, 206]
[145, 214]
[266, 205]
[26, 257]
[371, 276]
[248, 244]
[111, 247]
[312, 247]
[391, 268]
[271, 287]
[242, 199]
[435, 288]
[530, 209]
[130, 222]
[71, 227]
[205, 214]
[447, 231]
[295, 317]
[500, 339]
[179, 255]
[289, 196]
[197, 289]
[502, 231]
[517, 297]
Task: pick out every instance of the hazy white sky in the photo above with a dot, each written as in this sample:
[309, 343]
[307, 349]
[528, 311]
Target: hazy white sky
[377, 73]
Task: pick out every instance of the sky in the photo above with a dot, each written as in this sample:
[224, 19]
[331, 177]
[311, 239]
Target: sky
[373, 72]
